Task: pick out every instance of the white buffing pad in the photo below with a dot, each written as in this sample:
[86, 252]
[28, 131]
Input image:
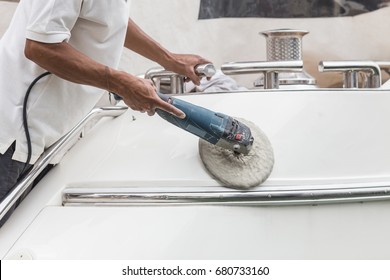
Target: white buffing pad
[239, 171]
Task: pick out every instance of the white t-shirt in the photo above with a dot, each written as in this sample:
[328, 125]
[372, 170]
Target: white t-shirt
[97, 28]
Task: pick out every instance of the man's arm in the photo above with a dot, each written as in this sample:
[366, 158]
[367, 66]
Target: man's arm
[66, 62]
[184, 64]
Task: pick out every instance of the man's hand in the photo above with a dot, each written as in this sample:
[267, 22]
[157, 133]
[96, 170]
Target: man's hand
[184, 64]
[140, 94]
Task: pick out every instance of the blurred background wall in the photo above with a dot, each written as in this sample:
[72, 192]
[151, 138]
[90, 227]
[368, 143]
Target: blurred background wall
[176, 25]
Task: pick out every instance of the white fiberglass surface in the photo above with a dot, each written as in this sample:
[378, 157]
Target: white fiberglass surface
[348, 231]
[318, 137]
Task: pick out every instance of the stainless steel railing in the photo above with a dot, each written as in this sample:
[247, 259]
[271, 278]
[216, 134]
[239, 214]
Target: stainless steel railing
[351, 70]
[176, 81]
[294, 195]
[270, 70]
[60, 146]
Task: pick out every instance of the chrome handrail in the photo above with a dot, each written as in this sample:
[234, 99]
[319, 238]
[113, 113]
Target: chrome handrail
[351, 69]
[176, 80]
[270, 70]
[314, 195]
[61, 145]
[253, 67]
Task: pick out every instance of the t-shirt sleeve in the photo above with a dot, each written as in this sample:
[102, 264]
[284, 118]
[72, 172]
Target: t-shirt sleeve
[51, 21]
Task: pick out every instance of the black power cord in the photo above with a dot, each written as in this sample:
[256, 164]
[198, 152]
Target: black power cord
[25, 122]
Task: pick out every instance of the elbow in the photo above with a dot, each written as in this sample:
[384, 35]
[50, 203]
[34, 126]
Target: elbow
[42, 53]
[30, 50]
[36, 51]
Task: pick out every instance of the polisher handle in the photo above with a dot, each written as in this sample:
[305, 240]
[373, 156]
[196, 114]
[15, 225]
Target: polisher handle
[198, 121]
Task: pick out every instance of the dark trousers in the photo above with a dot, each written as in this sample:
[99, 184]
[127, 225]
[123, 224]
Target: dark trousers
[10, 173]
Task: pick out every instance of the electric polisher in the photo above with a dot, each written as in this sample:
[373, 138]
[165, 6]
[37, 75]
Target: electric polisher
[216, 128]
[227, 145]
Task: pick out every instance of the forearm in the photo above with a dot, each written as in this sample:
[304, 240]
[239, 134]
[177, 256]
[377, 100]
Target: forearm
[67, 63]
[64, 61]
[141, 43]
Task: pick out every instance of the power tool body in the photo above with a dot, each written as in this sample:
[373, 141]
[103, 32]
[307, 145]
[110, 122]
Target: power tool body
[216, 128]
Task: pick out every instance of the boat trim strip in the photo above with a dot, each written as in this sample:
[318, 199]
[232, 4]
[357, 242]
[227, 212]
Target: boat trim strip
[292, 196]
